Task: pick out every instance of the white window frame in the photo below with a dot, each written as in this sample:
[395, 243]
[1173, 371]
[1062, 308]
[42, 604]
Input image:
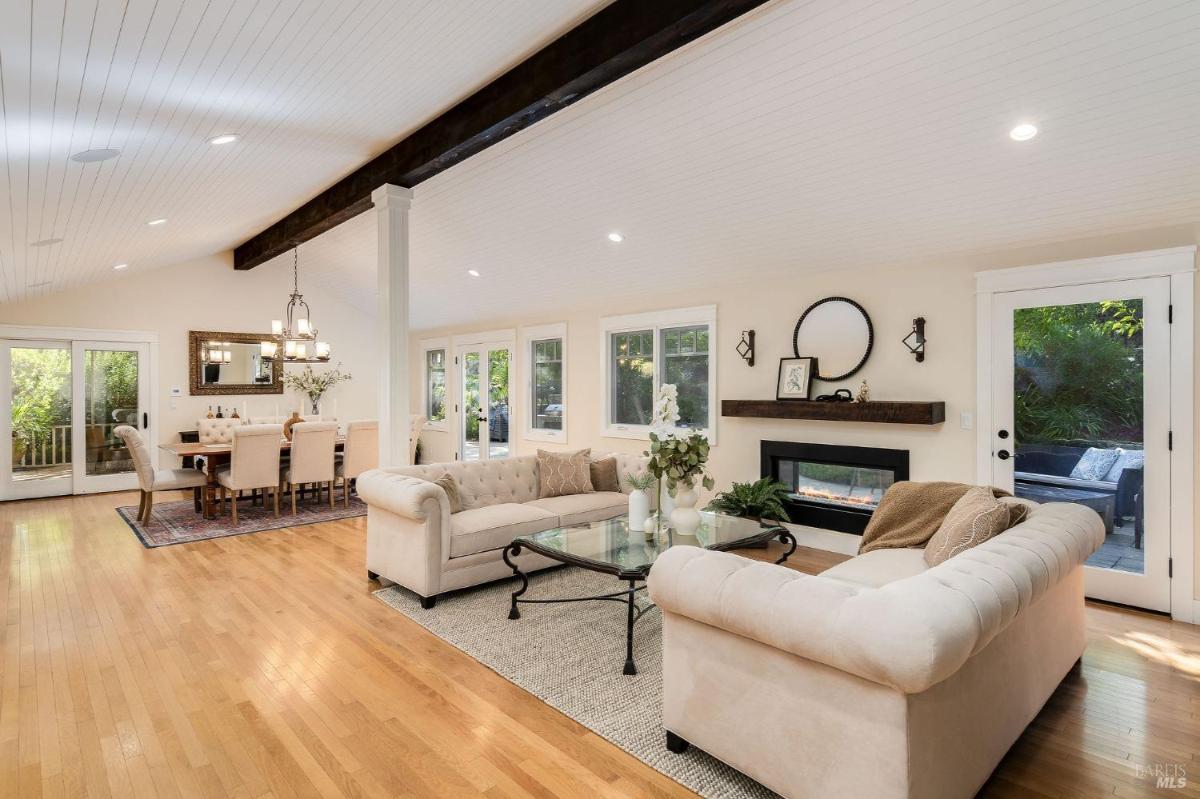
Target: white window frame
[427, 346]
[656, 321]
[528, 336]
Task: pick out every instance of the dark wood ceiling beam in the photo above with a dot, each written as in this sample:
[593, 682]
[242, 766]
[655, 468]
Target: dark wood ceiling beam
[622, 37]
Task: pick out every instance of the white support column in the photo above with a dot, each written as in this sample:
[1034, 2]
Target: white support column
[392, 204]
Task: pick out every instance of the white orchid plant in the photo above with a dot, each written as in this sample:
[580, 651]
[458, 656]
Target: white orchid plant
[675, 460]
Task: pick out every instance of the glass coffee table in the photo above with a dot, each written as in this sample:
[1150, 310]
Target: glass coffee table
[610, 547]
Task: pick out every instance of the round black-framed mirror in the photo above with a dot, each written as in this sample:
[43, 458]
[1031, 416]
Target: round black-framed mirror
[846, 336]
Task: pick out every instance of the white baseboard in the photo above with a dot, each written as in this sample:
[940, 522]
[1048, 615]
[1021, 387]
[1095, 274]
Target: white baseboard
[1195, 617]
[829, 540]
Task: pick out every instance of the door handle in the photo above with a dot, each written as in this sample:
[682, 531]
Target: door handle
[1003, 455]
[145, 421]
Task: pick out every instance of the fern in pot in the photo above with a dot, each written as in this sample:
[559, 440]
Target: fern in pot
[762, 499]
[639, 499]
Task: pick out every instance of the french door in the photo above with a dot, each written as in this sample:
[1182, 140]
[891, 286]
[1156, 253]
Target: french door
[485, 373]
[1081, 413]
[65, 399]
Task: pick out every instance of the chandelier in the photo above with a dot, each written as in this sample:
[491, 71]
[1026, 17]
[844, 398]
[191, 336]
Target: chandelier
[295, 337]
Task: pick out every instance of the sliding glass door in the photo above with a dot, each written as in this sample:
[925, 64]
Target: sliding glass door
[65, 401]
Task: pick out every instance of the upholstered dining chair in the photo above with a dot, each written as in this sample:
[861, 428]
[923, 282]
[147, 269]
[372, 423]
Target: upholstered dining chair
[313, 445]
[149, 479]
[253, 463]
[415, 423]
[361, 452]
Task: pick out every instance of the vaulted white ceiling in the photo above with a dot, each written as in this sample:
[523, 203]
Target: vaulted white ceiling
[813, 136]
[314, 88]
[805, 136]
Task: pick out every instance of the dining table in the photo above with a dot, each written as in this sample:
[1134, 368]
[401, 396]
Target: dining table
[216, 456]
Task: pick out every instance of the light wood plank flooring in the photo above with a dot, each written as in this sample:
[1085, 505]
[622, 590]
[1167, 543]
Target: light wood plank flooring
[260, 666]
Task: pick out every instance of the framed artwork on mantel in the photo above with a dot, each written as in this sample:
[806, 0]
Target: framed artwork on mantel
[795, 378]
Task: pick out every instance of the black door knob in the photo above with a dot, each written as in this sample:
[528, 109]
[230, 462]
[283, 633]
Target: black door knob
[1003, 455]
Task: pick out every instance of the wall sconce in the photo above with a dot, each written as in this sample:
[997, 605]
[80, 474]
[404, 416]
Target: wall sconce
[915, 341]
[745, 347]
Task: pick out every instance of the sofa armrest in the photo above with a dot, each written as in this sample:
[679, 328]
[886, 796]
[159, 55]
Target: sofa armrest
[401, 494]
[910, 634]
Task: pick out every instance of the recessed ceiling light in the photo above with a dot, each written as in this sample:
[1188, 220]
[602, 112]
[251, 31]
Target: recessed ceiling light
[473, 272]
[94, 156]
[161, 221]
[224, 138]
[43, 284]
[616, 237]
[121, 266]
[1023, 132]
[45, 242]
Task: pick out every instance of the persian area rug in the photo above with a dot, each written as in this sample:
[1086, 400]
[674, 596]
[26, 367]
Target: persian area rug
[178, 523]
[570, 656]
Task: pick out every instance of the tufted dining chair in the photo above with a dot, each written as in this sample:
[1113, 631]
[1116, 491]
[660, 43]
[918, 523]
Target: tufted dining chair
[313, 445]
[361, 453]
[217, 431]
[253, 463]
[150, 479]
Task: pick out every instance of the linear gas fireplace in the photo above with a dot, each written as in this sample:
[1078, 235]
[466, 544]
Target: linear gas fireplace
[833, 487]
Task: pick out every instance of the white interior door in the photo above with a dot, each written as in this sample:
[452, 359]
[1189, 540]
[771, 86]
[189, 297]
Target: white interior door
[36, 384]
[1081, 413]
[485, 375]
[111, 388]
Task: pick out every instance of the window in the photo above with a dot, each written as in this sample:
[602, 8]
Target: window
[435, 385]
[546, 409]
[643, 351]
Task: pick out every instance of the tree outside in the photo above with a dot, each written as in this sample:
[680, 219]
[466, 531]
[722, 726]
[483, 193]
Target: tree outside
[1078, 374]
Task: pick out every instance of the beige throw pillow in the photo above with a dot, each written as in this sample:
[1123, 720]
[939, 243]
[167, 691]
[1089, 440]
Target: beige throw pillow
[604, 475]
[450, 486]
[561, 474]
[975, 518]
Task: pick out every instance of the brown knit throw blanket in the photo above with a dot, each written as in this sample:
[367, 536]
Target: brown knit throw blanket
[910, 513]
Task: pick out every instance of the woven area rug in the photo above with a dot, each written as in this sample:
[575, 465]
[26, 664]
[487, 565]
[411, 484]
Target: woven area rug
[570, 656]
[178, 523]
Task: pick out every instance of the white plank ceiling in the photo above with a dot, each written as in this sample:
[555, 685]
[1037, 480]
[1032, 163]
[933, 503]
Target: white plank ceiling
[314, 88]
[805, 136]
[814, 136]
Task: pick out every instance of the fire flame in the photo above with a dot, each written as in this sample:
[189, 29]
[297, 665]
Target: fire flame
[828, 496]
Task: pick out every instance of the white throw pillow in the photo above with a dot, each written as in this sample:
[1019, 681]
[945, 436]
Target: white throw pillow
[1095, 463]
[1128, 459]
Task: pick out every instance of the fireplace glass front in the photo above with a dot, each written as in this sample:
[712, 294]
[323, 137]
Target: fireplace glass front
[833, 487]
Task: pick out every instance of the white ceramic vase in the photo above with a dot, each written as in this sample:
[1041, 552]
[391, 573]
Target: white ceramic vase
[668, 502]
[685, 518]
[639, 509]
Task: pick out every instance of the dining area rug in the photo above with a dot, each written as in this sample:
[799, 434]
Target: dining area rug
[178, 522]
[570, 656]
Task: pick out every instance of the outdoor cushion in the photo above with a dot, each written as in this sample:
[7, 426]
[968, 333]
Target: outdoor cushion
[583, 508]
[1126, 459]
[495, 526]
[1094, 464]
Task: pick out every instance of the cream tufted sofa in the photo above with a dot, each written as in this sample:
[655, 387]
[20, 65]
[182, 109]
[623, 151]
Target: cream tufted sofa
[880, 677]
[414, 541]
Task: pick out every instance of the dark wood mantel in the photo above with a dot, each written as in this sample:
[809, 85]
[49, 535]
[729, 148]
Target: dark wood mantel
[926, 413]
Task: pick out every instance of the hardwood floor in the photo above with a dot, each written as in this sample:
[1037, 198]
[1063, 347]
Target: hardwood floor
[260, 666]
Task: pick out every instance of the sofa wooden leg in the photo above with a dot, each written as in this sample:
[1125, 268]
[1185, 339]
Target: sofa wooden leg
[428, 602]
[676, 744]
[372, 575]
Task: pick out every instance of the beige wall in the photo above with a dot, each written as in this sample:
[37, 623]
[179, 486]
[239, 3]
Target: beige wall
[207, 294]
[893, 295]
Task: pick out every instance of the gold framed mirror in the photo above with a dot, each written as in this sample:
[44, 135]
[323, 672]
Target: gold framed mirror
[231, 363]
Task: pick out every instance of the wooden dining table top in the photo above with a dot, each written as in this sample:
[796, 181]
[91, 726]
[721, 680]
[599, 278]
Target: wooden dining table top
[195, 449]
